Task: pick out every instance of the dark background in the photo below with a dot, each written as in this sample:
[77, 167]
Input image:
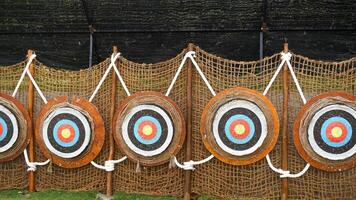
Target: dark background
[151, 30]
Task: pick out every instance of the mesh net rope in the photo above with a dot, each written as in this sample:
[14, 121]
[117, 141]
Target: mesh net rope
[214, 178]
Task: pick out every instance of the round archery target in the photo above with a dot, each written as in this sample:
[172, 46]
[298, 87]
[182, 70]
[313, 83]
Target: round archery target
[149, 128]
[9, 131]
[71, 134]
[14, 130]
[66, 132]
[325, 131]
[239, 126]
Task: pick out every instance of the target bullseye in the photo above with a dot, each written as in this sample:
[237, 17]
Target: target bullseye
[325, 131]
[66, 131]
[149, 128]
[14, 130]
[235, 127]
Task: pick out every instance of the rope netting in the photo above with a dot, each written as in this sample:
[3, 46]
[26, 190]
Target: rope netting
[214, 178]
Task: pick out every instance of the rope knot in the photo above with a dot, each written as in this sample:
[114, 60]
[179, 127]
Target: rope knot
[109, 165]
[190, 54]
[189, 165]
[286, 56]
[31, 167]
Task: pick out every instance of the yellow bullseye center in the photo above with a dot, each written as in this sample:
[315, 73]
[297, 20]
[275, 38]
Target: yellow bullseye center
[336, 132]
[239, 129]
[65, 133]
[147, 130]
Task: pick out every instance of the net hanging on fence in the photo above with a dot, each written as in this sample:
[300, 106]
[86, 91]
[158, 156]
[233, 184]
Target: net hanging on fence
[214, 178]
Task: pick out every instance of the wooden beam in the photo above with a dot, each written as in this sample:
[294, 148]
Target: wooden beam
[284, 150]
[189, 120]
[109, 177]
[31, 149]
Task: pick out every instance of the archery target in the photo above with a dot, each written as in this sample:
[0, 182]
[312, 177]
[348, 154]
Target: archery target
[14, 133]
[328, 131]
[68, 131]
[239, 127]
[238, 124]
[149, 128]
[9, 131]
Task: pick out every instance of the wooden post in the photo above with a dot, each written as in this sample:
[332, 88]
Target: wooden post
[31, 149]
[285, 125]
[109, 177]
[188, 140]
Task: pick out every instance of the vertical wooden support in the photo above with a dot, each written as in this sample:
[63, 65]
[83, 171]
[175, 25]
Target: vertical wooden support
[189, 118]
[109, 177]
[31, 149]
[285, 126]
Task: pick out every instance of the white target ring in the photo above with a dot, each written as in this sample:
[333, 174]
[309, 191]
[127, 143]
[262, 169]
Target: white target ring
[169, 132]
[246, 105]
[81, 134]
[313, 141]
[15, 128]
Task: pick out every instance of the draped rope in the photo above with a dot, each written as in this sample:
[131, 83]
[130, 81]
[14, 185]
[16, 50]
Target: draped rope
[109, 165]
[113, 59]
[189, 165]
[32, 166]
[286, 59]
[27, 71]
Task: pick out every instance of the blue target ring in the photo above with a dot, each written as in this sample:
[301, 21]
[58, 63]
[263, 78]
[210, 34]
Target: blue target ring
[348, 134]
[239, 117]
[157, 124]
[4, 129]
[76, 132]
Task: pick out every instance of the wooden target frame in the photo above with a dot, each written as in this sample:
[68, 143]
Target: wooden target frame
[24, 127]
[97, 130]
[300, 131]
[229, 95]
[167, 105]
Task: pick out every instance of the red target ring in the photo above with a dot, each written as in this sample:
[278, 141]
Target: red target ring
[239, 129]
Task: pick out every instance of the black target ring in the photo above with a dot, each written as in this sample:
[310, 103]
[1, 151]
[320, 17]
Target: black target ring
[149, 128]
[325, 131]
[70, 134]
[15, 128]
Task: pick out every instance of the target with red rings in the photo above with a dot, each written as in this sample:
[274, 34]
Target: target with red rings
[239, 126]
[71, 134]
[325, 131]
[14, 128]
[149, 128]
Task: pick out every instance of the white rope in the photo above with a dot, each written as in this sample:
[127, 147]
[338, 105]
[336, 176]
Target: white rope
[121, 79]
[286, 59]
[278, 170]
[27, 71]
[275, 74]
[178, 72]
[109, 165]
[189, 165]
[191, 55]
[301, 173]
[113, 59]
[296, 82]
[32, 166]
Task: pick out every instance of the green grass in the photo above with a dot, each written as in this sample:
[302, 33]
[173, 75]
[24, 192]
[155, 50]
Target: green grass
[65, 195]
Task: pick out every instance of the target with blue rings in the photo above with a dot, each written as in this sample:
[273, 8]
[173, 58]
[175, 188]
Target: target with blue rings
[9, 129]
[247, 133]
[331, 132]
[15, 127]
[66, 132]
[239, 126]
[149, 128]
[325, 131]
